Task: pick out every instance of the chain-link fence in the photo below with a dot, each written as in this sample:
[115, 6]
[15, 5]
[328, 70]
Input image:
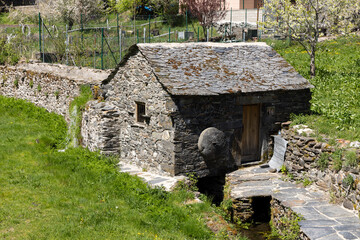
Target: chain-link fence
[103, 42]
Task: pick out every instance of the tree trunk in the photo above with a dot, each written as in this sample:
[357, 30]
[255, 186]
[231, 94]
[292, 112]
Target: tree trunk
[205, 32]
[312, 60]
[312, 65]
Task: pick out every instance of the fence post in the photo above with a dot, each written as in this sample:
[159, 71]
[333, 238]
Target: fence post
[43, 39]
[169, 34]
[120, 44]
[149, 28]
[95, 51]
[117, 28]
[144, 35]
[230, 21]
[102, 48]
[67, 46]
[82, 28]
[245, 17]
[40, 48]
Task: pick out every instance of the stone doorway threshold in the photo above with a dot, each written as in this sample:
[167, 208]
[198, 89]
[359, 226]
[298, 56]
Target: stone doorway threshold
[322, 220]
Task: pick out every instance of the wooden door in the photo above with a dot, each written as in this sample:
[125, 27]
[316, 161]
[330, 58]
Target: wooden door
[250, 134]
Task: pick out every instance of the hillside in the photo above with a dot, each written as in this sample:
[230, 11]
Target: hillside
[336, 96]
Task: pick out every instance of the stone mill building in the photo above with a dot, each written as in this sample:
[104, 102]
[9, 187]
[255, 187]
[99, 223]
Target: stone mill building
[206, 108]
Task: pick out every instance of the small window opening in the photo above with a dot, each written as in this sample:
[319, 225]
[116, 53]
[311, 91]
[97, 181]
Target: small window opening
[140, 112]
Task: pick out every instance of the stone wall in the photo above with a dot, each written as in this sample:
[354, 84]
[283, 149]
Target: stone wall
[281, 218]
[100, 127]
[224, 112]
[50, 86]
[149, 142]
[305, 155]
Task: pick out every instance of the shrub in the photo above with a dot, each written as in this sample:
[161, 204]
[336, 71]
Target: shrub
[7, 53]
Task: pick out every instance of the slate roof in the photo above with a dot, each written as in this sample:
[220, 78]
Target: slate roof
[220, 68]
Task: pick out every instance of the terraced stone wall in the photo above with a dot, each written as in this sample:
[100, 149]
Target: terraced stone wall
[312, 161]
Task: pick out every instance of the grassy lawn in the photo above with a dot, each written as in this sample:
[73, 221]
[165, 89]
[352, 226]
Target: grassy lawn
[46, 194]
[336, 96]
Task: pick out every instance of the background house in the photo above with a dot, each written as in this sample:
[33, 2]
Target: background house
[199, 107]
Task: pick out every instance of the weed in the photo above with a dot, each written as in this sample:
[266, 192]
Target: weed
[31, 83]
[16, 82]
[337, 159]
[348, 181]
[283, 169]
[306, 182]
[323, 161]
[287, 227]
[39, 88]
[57, 93]
[77, 106]
[351, 159]
[332, 142]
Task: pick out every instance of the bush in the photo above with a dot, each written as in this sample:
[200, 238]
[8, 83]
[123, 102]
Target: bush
[7, 53]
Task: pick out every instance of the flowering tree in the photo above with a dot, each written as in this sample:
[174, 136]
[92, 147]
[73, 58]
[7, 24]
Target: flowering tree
[305, 20]
[206, 11]
[71, 11]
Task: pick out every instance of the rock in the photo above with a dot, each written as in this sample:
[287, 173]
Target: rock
[318, 145]
[272, 170]
[300, 144]
[211, 143]
[301, 162]
[348, 204]
[311, 144]
[286, 125]
[309, 159]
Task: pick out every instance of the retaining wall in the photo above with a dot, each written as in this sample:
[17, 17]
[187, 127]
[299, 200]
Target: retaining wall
[302, 161]
[52, 87]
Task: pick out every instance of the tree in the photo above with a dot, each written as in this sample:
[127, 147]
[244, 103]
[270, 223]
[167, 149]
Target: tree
[306, 20]
[71, 11]
[168, 9]
[206, 11]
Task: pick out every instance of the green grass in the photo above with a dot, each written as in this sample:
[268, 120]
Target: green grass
[77, 194]
[336, 96]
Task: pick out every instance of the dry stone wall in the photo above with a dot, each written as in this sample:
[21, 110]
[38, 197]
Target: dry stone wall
[50, 86]
[310, 160]
[100, 127]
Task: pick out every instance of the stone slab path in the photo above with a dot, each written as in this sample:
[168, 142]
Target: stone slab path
[152, 179]
[323, 221]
